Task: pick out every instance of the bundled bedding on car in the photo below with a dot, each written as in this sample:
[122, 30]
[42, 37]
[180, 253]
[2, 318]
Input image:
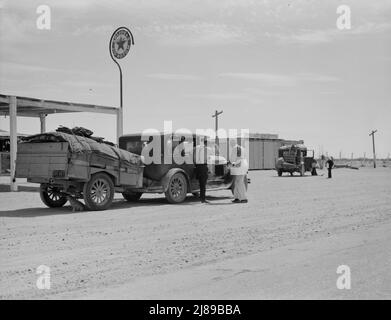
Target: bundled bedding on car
[82, 144]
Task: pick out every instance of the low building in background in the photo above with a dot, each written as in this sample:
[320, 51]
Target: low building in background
[263, 149]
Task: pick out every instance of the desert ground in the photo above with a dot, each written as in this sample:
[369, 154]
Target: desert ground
[287, 242]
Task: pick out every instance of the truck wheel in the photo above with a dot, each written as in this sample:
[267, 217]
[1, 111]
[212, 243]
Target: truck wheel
[132, 196]
[98, 192]
[177, 188]
[51, 196]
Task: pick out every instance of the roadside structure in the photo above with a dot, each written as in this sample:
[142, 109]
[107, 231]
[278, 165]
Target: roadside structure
[16, 106]
[263, 149]
[5, 151]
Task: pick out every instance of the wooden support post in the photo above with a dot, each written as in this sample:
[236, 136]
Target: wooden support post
[42, 118]
[13, 141]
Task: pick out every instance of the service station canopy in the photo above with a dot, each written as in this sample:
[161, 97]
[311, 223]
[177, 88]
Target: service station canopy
[31, 107]
[14, 106]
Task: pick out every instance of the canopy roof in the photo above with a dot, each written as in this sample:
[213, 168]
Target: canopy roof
[32, 107]
[5, 134]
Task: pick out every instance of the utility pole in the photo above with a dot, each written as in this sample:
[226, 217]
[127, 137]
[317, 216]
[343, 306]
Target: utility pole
[216, 116]
[373, 144]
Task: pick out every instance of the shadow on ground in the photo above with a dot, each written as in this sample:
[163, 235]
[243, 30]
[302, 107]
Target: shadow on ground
[6, 188]
[118, 204]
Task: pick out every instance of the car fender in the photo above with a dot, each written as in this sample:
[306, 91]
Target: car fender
[110, 174]
[165, 180]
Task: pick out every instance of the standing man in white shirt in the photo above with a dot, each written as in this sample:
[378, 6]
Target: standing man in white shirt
[239, 169]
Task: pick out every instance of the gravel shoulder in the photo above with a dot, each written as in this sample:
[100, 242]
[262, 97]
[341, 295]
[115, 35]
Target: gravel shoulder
[289, 222]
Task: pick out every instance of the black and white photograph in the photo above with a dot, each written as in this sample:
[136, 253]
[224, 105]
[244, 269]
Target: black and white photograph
[195, 150]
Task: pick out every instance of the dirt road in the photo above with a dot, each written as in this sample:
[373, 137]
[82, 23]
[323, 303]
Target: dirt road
[286, 242]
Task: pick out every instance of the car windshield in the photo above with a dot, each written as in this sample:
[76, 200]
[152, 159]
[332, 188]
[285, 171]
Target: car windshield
[134, 146]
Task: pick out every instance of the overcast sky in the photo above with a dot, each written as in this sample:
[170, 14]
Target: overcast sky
[273, 66]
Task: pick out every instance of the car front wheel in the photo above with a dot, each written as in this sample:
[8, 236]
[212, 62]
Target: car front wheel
[98, 192]
[177, 188]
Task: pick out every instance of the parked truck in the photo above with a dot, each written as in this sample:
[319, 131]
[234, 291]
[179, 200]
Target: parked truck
[295, 158]
[69, 165]
[168, 177]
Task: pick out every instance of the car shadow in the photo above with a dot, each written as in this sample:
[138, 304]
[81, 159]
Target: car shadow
[118, 204]
[295, 176]
[6, 188]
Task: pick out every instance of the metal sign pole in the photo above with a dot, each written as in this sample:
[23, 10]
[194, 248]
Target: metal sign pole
[119, 46]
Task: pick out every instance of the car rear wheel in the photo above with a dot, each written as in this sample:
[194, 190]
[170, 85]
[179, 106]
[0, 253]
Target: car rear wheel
[98, 192]
[51, 196]
[132, 196]
[177, 188]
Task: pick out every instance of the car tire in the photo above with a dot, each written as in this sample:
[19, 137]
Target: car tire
[98, 193]
[51, 197]
[177, 188]
[132, 196]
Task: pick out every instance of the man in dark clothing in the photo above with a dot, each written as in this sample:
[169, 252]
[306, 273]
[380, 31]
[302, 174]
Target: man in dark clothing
[201, 168]
[202, 176]
[330, 165]
[313, 165]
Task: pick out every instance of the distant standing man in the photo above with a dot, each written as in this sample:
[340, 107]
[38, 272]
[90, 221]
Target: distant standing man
[330, 166]
[238, 171]
[313, 165]
[202, 153]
